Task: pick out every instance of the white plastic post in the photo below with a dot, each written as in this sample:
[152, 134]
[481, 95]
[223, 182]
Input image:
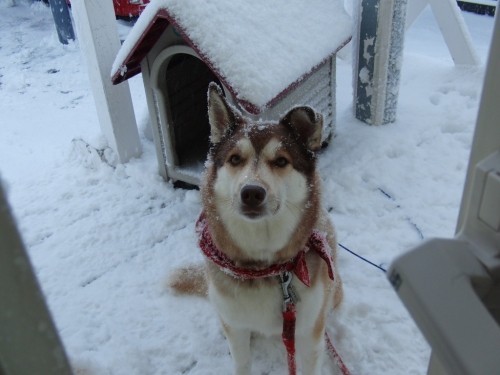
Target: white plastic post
[378, 58]
[456, 304]
[487, 135]
[452, 26]
[413, 10]
[99, 44]
[454, 31]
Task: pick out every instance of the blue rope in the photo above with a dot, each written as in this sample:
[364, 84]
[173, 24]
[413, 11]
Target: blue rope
[363, 258]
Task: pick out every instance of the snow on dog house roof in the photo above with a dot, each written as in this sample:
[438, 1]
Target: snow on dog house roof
[259, 49]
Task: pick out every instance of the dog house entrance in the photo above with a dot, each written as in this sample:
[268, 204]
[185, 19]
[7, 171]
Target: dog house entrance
[187, 79]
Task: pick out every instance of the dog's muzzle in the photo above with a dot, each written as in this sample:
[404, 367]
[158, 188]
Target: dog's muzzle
[253, 200]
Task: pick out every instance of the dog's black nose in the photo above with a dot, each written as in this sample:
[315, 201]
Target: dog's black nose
[253, 195]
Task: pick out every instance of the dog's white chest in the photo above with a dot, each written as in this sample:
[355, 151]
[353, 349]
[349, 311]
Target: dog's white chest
[260, 309]
[255, 309]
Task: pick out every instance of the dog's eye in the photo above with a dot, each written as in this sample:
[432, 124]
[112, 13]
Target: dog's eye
[281, 162]
[235, 160]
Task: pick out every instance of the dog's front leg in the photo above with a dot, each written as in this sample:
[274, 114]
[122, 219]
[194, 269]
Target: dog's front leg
[239, 346]
[311, 349]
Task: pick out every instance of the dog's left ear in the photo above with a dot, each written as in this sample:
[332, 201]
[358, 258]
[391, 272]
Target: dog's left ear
[220, 114]
[307, 124]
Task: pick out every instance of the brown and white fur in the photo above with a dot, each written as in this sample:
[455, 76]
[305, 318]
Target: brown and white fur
[261, 198]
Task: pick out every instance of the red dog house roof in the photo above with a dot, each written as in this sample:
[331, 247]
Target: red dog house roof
[259, 49]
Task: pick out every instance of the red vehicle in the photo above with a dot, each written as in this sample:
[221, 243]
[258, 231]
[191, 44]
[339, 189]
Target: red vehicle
[129, 8]
[124, 8]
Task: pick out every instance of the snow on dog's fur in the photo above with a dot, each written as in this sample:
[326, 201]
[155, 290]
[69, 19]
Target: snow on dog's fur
[261, 202]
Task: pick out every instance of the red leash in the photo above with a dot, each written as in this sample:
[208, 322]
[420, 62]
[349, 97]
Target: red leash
[289, 314]
[288, 335]
[335, 356]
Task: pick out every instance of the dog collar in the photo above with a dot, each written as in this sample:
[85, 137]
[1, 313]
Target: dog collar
[298, 265]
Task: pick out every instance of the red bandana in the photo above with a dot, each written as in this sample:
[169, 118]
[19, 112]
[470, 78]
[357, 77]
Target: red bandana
[317, 243]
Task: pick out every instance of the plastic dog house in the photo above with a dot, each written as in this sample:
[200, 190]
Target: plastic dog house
[267, 58]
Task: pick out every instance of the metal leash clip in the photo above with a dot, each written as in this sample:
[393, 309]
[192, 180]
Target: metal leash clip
[289, 293]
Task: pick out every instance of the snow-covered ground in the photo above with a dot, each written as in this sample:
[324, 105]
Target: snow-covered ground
[103, 238]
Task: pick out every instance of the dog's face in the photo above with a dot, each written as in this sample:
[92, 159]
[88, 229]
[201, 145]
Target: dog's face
[259, 174]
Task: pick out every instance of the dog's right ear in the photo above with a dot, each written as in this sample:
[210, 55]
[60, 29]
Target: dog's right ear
[220, 114]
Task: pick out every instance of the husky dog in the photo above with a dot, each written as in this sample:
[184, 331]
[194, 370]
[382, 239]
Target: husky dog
[261, 207]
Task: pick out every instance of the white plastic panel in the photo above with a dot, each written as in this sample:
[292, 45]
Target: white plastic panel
[489, 211]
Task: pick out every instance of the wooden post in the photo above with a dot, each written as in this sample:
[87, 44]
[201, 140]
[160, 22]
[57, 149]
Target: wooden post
[99, 44]
[62, 19]
[379, 51]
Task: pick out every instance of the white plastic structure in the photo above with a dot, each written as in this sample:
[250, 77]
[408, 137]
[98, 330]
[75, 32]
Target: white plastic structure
[452, 26]
[99, 43]
[452, 286]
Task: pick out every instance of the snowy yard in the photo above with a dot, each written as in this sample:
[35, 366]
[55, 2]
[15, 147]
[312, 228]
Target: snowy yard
[104, 237]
